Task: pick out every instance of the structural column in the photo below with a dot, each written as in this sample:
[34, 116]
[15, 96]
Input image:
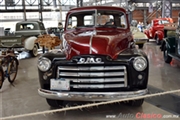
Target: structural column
[145, 17]
[166, 8]
[41, 17]
[130, 16]
[60, 10]
[40, 10]
[24, 10]
[79, 3]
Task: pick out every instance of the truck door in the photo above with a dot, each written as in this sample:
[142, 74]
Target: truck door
[178, 36]
[178, 48]
[178, 41]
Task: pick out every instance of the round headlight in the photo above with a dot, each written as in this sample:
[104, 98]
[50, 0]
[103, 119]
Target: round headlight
[140, 63]
[44, 64]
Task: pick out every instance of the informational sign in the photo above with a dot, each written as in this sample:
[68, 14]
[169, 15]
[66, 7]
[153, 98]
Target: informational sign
[150, 8]
[1, 31]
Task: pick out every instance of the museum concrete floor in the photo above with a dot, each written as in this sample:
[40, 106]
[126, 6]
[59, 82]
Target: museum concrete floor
[22, 97]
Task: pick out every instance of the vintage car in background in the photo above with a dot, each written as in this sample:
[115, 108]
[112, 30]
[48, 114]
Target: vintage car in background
[57, 31]
[156, 29]
[139, 37]
[100, 61]
[24, 37]
[171, 42]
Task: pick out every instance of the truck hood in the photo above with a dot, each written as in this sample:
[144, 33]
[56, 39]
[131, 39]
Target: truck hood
[103, 42]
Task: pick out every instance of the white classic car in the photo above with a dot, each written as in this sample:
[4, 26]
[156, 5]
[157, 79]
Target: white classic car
[139, 37]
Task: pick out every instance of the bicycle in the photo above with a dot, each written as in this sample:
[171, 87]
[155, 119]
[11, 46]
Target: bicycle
[8, 59]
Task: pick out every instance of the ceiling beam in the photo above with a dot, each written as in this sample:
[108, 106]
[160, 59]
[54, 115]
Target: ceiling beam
[27, 10]
[64, 8]
[146, 8]
[17, 20]
[151, 1]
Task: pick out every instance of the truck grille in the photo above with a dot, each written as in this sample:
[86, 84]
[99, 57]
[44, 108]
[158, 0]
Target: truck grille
[93, 77]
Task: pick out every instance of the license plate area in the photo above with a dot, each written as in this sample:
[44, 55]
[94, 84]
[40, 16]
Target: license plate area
[59, 84]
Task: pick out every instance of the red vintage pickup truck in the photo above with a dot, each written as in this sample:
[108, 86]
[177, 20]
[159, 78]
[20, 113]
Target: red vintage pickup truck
[156, 29]
[100, 61]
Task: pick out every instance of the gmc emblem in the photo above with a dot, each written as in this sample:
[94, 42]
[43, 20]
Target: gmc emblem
[89, 60]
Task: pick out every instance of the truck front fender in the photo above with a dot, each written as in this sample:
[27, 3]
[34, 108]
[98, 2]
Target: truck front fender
[159, 34]
[163, 44]
[29, 42]
[170, 44]
[147, 34]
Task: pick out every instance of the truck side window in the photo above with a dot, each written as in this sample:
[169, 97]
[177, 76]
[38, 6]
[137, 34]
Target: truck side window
[123, 21]
[21, 27]
[27, 27]
[105, 19]
[72, 23]
[88, 20]
[30, 26]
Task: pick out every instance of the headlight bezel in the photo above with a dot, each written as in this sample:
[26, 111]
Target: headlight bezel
[45, 60]
[136, 59]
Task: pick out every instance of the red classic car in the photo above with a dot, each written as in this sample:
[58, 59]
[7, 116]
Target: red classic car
[156, 29]
[100, 61]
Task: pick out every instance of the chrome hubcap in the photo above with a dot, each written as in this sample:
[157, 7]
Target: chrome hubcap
[35, 50]
[165, 53]
[13, 69]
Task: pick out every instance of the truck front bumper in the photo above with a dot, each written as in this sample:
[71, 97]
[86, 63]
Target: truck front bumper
[90, 96]
[140, 41]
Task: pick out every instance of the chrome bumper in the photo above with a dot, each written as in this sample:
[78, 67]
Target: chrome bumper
[140, 41]
[90, 96]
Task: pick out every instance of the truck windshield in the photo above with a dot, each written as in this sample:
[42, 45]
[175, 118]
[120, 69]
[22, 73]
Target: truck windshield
[111, 18]
[99, 18]
[163, 21]
[27, 26]
[81, 19]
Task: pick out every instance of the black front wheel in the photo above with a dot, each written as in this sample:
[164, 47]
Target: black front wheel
[55, 103]
[167, 58]
[158, 41]
[1, 76]
[140, 46]
[12, 69]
